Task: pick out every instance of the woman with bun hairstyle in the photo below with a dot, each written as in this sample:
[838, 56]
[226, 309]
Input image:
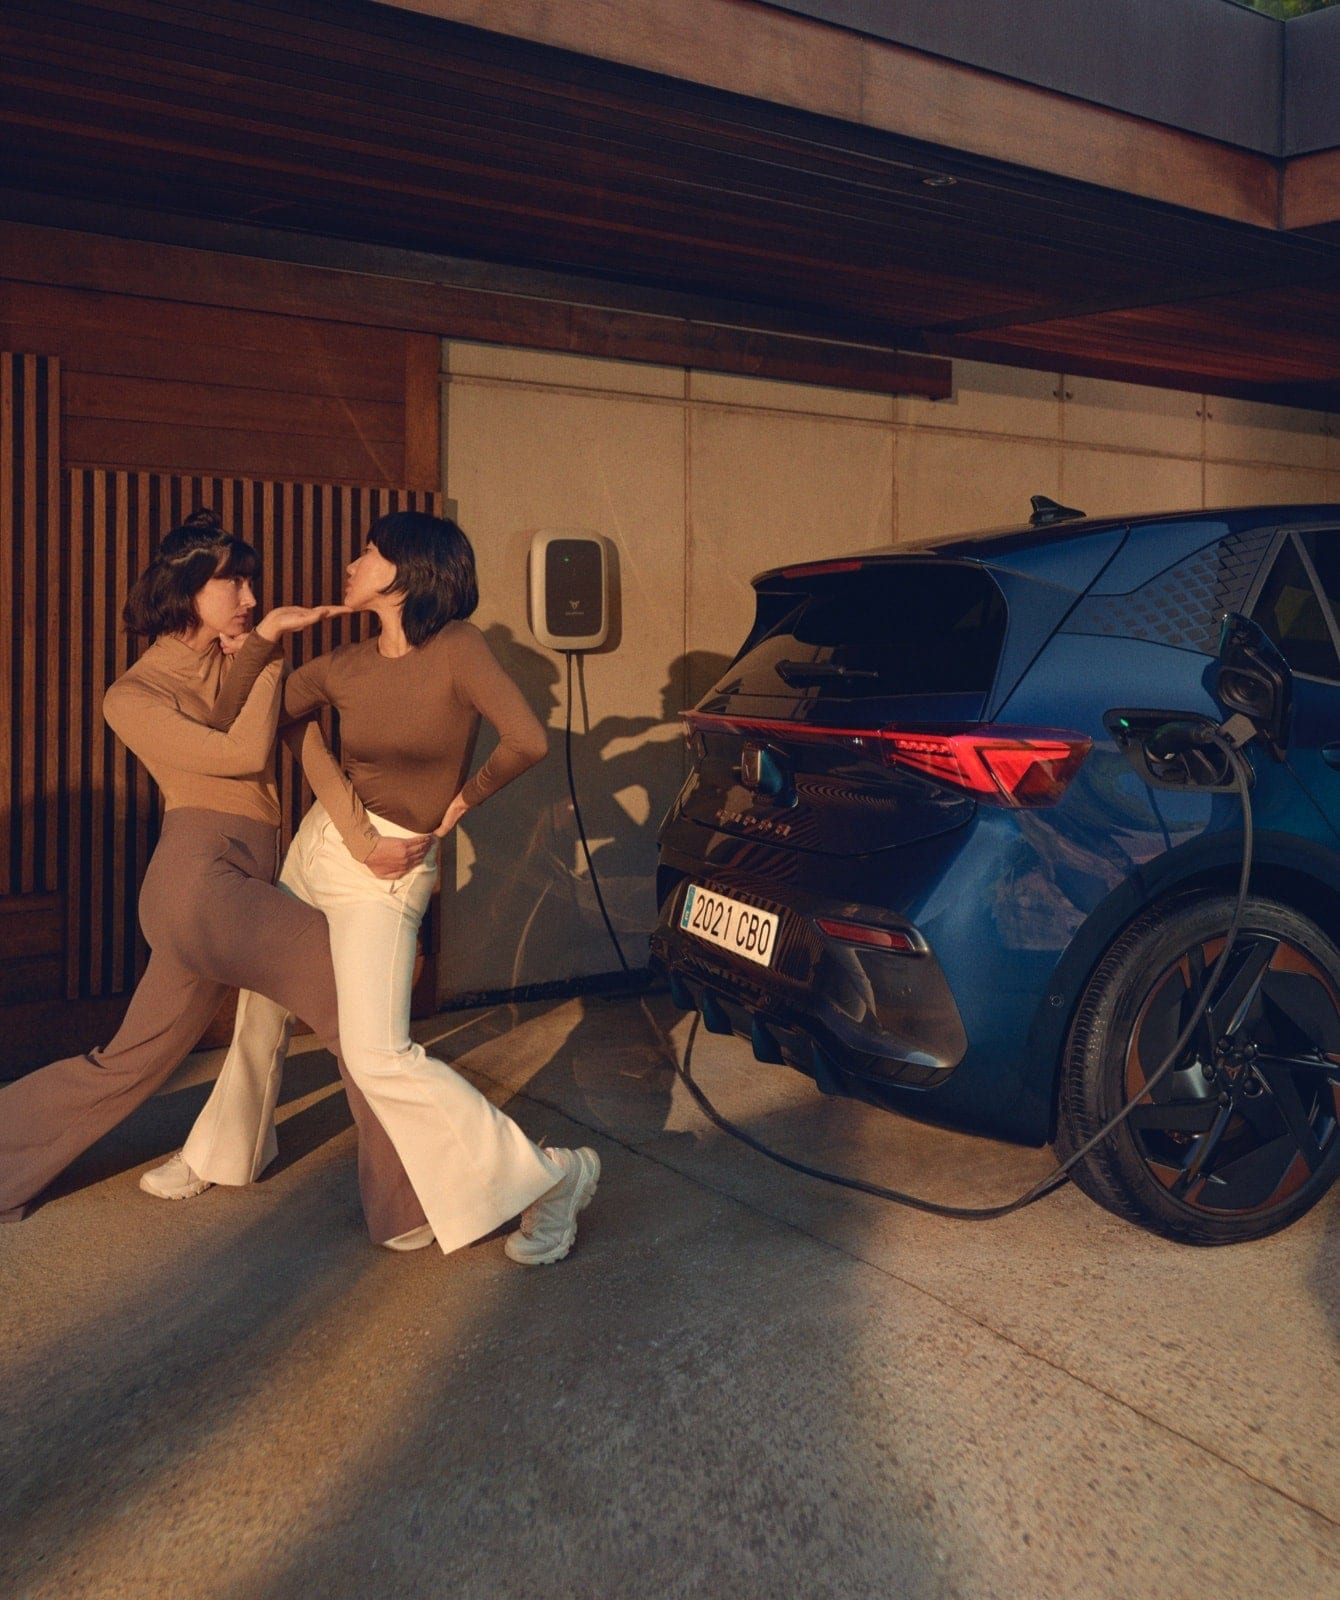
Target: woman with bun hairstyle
[410, 699]
[208, 905]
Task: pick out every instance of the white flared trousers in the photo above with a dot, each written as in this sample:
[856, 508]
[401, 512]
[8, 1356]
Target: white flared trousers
[470, 1165]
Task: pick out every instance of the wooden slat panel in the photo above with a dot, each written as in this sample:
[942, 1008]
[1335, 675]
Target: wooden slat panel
[26, 711]
[145, 335]
[29, 602]
[55, 655]
[161, 447]
[82, 814]
[109, 305]
[27, 978]
[104, 397]
[121, 782]
[32, 925]
[100, 737]
[11, 502]
[142, 827]
[306, 533]
[75, 707]
[152, 385]
[423, 411]
[318, 374]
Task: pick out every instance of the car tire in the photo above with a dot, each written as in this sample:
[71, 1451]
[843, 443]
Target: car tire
[1233, 1144]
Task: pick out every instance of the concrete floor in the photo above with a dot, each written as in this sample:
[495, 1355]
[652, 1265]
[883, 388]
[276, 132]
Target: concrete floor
[743, 1383]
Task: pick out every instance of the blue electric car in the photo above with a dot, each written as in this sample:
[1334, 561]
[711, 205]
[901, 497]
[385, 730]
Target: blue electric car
[923, 853]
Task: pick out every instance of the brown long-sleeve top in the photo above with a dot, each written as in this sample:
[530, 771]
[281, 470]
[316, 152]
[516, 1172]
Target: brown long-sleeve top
[407, 729]
[160, 709]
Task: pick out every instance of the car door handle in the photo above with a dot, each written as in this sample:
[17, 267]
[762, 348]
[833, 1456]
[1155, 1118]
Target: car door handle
[1330, 754]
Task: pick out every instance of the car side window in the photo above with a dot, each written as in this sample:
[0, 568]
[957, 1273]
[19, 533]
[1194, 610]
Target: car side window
[1290, 611]
[1323, 551]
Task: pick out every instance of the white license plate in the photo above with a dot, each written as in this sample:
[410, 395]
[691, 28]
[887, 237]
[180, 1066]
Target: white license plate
[742, 929]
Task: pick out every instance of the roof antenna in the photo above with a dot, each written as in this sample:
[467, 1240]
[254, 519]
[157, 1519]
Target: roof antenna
[1046, 512]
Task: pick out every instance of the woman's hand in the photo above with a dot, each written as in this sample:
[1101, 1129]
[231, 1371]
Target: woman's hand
[454, 812]
[393, 858]
[293, 619]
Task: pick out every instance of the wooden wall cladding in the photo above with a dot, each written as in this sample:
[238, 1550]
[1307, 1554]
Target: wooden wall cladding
[31, 931]
[162, 385]
[82, 814]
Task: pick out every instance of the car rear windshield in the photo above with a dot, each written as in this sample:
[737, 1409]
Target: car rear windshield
[893, 628]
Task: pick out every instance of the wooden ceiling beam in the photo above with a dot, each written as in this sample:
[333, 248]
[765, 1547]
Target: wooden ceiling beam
[790, 60]
[50, 256]
[654, 199]
[1281, 346]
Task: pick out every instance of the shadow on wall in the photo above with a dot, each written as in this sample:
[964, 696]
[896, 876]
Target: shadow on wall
[523, 910]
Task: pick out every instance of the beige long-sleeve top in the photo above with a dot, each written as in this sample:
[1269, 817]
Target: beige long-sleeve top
[160, 709]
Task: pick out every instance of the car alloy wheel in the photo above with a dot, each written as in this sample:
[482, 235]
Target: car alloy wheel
[1243, 1135]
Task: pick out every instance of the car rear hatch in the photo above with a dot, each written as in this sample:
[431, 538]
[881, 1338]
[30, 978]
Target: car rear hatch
[837, 726]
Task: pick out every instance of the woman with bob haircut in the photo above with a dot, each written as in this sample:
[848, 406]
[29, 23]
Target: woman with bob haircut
[410, 698]
[208, 906]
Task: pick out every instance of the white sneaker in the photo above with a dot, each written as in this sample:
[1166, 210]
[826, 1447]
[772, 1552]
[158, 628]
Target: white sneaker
[174, 1180]
[415, 1239]
[549, 1227]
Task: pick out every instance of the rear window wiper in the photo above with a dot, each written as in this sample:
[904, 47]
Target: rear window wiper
[797, 673]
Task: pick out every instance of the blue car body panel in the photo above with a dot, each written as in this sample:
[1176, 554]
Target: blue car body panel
[1017, 905]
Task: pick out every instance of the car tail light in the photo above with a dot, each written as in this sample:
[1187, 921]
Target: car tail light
[821, 569]
[1001, 766]
[863, 933]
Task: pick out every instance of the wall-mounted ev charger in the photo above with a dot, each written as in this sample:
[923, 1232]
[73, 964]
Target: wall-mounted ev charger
[568, 592]
[571, 601]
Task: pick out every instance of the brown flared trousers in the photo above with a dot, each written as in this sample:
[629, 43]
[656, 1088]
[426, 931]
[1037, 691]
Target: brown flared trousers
[214, 921]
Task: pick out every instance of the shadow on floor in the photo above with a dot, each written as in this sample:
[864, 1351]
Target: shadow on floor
[161, 1124]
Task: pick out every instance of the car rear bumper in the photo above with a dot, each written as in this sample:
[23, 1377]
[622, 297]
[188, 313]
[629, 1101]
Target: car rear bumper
[835, 1009]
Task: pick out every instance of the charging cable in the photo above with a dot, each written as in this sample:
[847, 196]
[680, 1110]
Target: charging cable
[581, 826]
[1228, 738]
[1059, 1174]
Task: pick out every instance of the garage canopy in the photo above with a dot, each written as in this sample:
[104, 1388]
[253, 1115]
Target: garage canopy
[778, 182]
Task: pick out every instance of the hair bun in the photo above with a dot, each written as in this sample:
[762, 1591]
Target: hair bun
[202, 530]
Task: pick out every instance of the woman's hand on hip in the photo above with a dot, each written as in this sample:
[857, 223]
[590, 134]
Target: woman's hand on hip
[393, 858]
[293, 619]
[454, 812]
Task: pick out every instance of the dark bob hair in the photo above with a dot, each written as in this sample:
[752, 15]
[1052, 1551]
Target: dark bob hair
[434, 569]
[163, 598]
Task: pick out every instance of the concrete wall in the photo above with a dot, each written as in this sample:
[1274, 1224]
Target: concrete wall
[701, 480]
